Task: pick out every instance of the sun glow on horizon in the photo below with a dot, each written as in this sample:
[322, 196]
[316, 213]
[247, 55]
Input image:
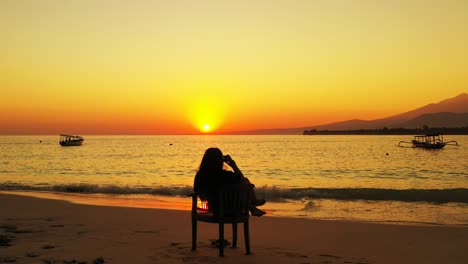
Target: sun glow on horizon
[207, 114]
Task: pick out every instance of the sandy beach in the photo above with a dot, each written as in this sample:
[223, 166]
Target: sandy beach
[35, 230]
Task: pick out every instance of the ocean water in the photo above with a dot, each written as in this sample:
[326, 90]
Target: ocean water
[365, 178]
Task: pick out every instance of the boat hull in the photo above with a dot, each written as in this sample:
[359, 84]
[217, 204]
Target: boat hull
[425, 145]
[71, 143]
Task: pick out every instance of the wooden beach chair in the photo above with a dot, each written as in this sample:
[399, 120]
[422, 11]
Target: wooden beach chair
[232, 208]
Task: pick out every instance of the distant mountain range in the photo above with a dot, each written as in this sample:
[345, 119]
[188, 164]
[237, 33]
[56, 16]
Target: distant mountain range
[449, 113]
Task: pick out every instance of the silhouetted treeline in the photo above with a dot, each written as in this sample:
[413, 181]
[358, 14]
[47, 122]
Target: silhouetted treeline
[392, 131]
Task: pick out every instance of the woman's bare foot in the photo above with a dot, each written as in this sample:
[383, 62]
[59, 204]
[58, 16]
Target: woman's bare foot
[254, 211]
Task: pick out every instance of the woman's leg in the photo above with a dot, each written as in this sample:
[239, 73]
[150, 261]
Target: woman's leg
[253, 197]
[253, 201]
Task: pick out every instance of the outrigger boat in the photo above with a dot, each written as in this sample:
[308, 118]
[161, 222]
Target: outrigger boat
[69, 140]
[430, 141]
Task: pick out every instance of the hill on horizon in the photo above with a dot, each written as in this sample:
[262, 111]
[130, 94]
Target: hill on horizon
[452, 112]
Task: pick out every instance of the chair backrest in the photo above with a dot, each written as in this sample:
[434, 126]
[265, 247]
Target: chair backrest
[233, 200]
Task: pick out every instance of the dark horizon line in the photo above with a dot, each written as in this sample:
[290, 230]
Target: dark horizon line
[392, 131]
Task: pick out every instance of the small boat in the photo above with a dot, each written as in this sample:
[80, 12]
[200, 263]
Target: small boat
[429, 141]
[70, 140]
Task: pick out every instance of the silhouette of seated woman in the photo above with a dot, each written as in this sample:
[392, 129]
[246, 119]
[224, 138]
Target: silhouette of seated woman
[212, 173]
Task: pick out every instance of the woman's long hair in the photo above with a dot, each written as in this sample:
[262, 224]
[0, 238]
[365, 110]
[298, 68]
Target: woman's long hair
[212, 161]
[211, 168]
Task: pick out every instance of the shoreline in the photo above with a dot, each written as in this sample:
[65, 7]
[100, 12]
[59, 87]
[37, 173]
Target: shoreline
[57, 231]
[294, 209]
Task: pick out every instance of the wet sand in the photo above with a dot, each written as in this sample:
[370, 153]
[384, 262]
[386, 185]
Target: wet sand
[35, 230]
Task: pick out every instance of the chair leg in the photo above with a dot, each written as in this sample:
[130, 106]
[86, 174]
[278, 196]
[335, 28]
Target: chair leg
[247, 238]
[221, 239]
[234, 235]
[194, 234]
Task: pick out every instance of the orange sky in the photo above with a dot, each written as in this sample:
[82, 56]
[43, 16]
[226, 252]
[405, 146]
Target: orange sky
[171, 67]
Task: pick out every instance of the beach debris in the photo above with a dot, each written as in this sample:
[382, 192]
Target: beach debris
[216, 242]
[8, 227]
[15, 229]
[292, 254]
[5, 240]
[99, 260]
[354, 262]
[21, 231]
[72, 261]
[329, 256]
[32, 254]
[57, 226]
[49, 261]
[7, 259]
[48, 247]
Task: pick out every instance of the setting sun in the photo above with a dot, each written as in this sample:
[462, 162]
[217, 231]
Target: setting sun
[206, 128]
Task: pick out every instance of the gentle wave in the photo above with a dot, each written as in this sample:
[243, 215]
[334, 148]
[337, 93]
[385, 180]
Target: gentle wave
[94, 188]
[271, 193]
[457, 195]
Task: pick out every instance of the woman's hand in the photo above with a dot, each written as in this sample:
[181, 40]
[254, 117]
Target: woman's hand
[229, 161]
